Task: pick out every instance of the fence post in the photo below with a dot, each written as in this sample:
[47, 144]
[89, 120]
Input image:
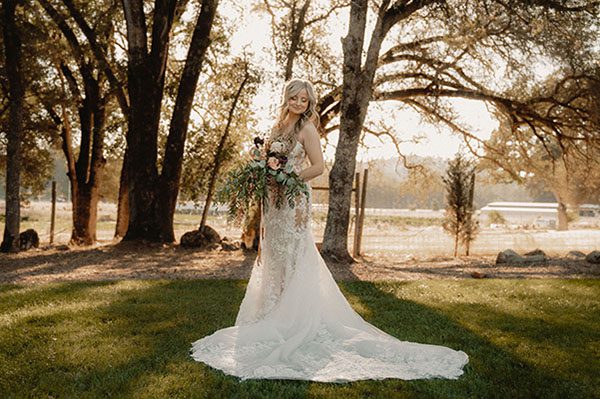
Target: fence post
[361, 218]
[355, 246]
[53, 211]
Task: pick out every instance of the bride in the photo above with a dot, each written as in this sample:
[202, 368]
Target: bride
[294, 322]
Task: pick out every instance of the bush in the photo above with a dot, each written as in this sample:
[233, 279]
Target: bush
[496, 217]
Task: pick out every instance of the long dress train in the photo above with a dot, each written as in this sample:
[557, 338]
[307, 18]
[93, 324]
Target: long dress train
[294, 322]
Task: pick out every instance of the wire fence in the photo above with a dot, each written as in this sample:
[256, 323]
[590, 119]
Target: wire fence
[386, 231]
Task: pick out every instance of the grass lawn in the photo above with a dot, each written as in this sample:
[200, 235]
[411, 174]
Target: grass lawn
[525, 339]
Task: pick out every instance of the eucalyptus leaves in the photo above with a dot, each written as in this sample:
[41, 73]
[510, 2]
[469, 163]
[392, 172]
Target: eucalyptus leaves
[267, 177]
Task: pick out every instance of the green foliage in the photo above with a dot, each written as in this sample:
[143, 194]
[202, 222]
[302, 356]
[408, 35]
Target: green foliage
[254, 183]
[244, 187]
[460, 185]
[212, 108]
[524, 338]
[496, 217]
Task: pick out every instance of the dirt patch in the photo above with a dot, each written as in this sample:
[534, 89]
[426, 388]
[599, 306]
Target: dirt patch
[137, 261]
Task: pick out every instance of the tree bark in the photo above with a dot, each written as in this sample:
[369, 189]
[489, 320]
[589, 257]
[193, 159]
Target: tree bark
[85, 204]
[296, 36]
[353, 111]
[146, 75]
[152, 197]
[357, 90]
[123, 202]
[16, 91]
[563, 218]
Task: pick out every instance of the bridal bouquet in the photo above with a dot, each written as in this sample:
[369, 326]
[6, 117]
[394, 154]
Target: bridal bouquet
[266, 173]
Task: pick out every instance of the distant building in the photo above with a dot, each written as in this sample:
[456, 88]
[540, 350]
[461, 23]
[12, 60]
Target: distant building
[543, 214]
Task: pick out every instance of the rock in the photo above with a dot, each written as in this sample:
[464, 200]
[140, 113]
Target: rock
[207, 238]
[575, 255]
[227, 245]
[63, 247]
[535, 252]
[212, 246]
[508, 256]
[28, 239]
[478, 275]
[211, 235]
[593, 257]
[192, 239]
[534, 259]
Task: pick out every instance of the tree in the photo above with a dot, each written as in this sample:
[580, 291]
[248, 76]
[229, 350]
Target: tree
[153, 195]
[239, 97]
[91, 98]
[297, 31]
[104, 54]
[13, 61]
[448, 51]
[39, 135]
[357, 89]
[460, 186]
[564, 164]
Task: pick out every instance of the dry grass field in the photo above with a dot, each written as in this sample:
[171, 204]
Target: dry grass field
[418, 235]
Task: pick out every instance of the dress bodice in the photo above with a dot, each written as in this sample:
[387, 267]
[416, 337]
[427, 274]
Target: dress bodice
[297, 157]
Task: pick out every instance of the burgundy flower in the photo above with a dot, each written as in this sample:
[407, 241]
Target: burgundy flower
[258, 141]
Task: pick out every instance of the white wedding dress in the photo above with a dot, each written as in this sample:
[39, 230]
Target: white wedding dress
[294, 322]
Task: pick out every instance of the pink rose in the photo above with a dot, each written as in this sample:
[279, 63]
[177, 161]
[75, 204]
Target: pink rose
[273, 163]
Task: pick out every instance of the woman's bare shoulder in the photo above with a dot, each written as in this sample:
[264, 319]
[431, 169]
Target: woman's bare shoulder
[308, 128]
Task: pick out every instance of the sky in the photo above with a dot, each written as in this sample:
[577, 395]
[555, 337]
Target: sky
[254, 33]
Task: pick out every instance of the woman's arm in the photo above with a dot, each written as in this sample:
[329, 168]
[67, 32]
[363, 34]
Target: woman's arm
[309, 137]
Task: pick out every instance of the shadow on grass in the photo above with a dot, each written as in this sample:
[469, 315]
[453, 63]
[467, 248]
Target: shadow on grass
[138, 345]
[492, 371]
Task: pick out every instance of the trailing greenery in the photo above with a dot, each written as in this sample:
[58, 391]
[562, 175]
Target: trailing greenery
[525, 339]
[261, 178]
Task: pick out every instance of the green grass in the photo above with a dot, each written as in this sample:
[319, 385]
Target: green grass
[525, 339]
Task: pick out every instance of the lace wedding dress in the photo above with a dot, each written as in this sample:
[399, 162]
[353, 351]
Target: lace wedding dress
[294, 322]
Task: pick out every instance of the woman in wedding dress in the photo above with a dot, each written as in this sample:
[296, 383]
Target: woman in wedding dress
[294, 322]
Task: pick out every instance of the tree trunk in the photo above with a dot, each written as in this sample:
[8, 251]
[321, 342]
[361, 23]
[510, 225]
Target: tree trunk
[14, 72]
[470, 213]
[357, 89]
[456, 245]
[145, 95]
[85, 172]
[295, 37]
[352, 114]
[563, 219]
[85, 203]
[217, 165]
[145, 82]
[81, 202]
[173, 162]
[335, 239]
[152, 197]
[123, 202]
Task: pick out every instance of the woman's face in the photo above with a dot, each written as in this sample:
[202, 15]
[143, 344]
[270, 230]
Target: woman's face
[298, 103]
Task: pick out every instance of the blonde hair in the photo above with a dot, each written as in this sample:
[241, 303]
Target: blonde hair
[292, 88]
